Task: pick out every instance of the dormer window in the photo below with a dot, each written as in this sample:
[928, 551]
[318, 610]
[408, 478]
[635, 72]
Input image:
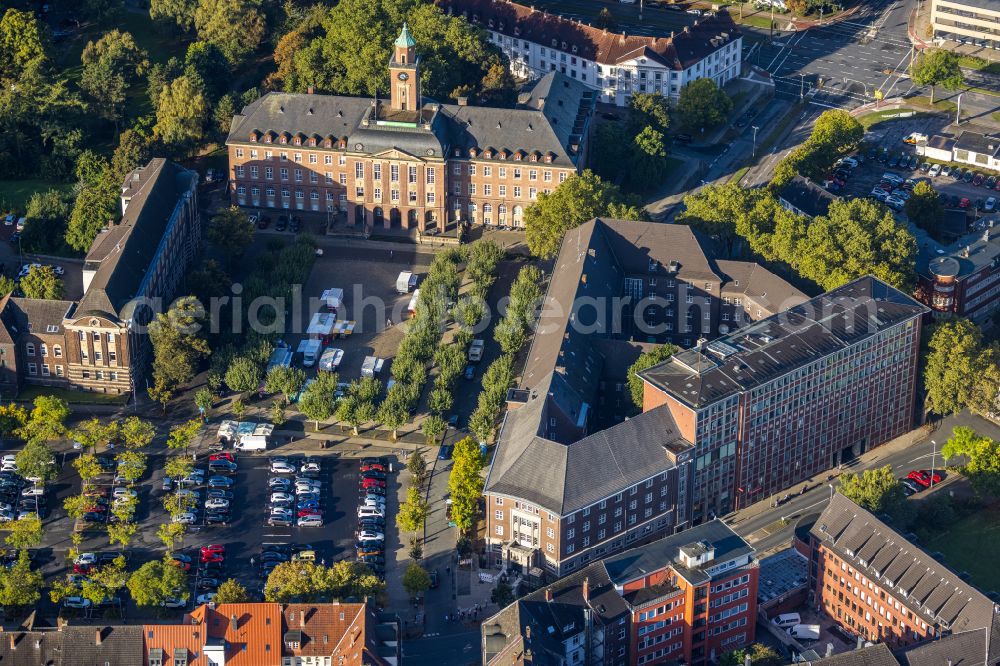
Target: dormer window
[555, 42]
[284, 140]
[488, 154]
[312, 142]
[298, 141]
[267, 139]
[548, 159]
[574, 48]
[253, 138]
[533, 158]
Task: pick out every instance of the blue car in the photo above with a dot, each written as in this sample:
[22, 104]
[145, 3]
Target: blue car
[308, 504]
[444, 453]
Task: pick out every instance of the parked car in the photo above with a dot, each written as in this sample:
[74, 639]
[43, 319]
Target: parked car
[220, 482]
[964, 202]
[978, 179]
[280, 467]
[990, 205]
[310, 521]
[923, 477]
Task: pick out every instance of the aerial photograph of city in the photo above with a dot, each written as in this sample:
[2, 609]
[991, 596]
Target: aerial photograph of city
[500, 332]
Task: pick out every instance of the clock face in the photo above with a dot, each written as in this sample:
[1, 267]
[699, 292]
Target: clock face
[403, 76]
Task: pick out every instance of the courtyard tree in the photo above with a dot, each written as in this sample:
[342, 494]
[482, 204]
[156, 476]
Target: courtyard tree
[936, 67]
[155, 582]
[757, 654]
[703, 105]
[231, 231]
[646, 360]
[925, 208]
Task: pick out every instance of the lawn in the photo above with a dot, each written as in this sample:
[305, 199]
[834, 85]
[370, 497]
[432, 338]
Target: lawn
[996, 116]
[971, 545]
[944, 105]
[29, 393]
[869, 120]
[14, 194]
[972, 62]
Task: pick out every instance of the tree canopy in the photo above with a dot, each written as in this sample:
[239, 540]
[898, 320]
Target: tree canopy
[110, 66]
[979, 458]
[936, 67]
[925, 208]
[310, 582]
[877, 490]
[835, 134]
[465, 482]
[42, 282]
[646, 360]
[959, 370]
[703, 105]
[178, 345]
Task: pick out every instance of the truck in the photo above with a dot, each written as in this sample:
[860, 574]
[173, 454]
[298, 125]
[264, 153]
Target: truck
[412, 307]
[333, 299]
[330, 360]
[476, 350]
[251, 443]
[805, 632]
[321, 326]
[372, 366]
[310, 352]
[406, 282]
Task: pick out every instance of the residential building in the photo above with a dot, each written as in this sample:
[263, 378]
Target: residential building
[687, 598]
[131, 271]
[28, 645]
[572, 481]
[792, 395]
[959, 649]
[804, 197]
[975, 22]
[614, 65]
[877, 585]
[270, 634]
[407, 161]
[962, 279]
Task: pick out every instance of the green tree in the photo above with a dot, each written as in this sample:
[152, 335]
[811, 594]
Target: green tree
[925, 208]
[177, 12]
[413, 512]
[95, 208]
[131, 465]
[207, 61]
[936, 67]
[231, 592]
[12, 418]
[465, 482]
[204, 399]
[954, 364]
[394, 410]
[502, 595]
[231, 231]
[122, 532]
[181, 113]
[182, 435]
[20, 586]
[178, 345]
[646, 360]
[433, 427]
[316, 402]
[94, 435]
[21, 42]
[171, 534]
[88, 467]
[134, 149]
[136, 433]
[285, 380]
[42, 282]
[417, 467]
[979, 458]
[36, 460]
[648, 160]
[758, 654]
[648, 110]
[48, 214]
[877, 490]
[104, 582]
[573, 202]
[237, 27]
[47, 420]
[703, 105]
[309, 582]
[243, 374]
[24, 533]
[110, 66]
[416, 580]
[604, 21]
[155, 582]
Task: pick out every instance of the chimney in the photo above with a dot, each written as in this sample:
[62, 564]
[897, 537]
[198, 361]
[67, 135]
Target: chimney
[38, 644]
[13, 641]
[527, 633]
[310, 90]
[548, 594]
[462, 100]
[586, 589]
[233, 624]
[98, 636]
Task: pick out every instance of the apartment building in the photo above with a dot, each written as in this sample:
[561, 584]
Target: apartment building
[30, 645]
[962, 279]
[877, 585]
[572, 481]
[406, 161]
[687, 598]
[614, 65]
[132, 270]
[974, 22]
[792, 395]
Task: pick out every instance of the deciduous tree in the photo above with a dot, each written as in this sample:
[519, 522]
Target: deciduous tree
[47, 420]
[154, 582]
[231, 231]
[237, 27]
[21, 41]
[136, 433]
[954, 363]
[110, 66]
[416, 580]
[181, 113]
[703, 105]
[465, 482]
[20, 586]
[231, 592]
[925, 208]
[646, 360]
[309, 582]
[42, 282]
[979, 458]
[178, 345]
[36, 460]
[877, 490]
[182, 435]
[24, 533]
[936, 67]
[285, 380]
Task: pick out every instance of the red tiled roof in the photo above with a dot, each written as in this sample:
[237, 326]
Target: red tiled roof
[327, 629]
[678, 51]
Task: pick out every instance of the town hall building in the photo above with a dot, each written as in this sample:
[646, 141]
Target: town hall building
[409, 162]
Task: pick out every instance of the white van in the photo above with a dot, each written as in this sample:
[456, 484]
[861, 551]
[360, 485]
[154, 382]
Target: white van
[370, 512]
[251, 443]
[805, 632]
[786, 620]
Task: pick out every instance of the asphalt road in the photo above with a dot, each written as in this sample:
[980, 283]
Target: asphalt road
[751, 522]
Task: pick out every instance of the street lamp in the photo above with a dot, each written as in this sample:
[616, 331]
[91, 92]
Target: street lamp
[832, 490]
[933, 460]
[754, 154]
[958, 120]
[802, 86]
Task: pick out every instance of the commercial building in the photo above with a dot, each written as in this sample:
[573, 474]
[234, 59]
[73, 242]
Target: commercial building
[687, 598]
[877, 585]
[977, 148]
[614, 65]
[572, 481]
[406, 161]
[974, 22]
[962, 279]
[790, 396]
[132, 270]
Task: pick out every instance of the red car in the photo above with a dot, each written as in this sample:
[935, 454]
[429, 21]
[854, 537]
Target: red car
[222, 456]
[310, 512]
[97, 508]
[81, 568]
[212, 557]
[964, 203]
[372, 483]
[373, 467]
[213, 548]
[923, 477]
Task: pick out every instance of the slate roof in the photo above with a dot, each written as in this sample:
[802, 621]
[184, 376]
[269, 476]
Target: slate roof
[976, 142]
[548, 126]
[679, 51]
[74, 646]
[771, 347]
[807, 196]
[754, 282]
[644, 560]
[37, 315]
[925, 586]
[873, 655]
[123, 254]
[963, 649]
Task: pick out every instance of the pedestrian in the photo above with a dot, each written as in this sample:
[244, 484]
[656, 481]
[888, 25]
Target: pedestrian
[322, 561]
[251, 561]
[445, 617]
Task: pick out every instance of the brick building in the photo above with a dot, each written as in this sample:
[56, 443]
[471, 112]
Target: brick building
[961, 279]
[687, 598]
[406, 161]
[792, 395]
[132, 269]
[612, 64]
[572, 481]
[875, 584]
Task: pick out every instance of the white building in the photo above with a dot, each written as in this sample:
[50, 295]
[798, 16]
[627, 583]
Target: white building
[614, 64]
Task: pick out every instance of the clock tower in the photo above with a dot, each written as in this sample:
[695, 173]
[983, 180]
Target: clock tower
[404, 74]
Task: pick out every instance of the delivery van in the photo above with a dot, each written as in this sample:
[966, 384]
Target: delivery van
[786, 620]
